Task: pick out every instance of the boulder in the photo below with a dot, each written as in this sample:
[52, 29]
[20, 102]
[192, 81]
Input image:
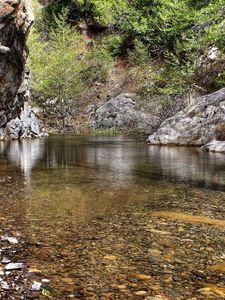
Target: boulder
[196, 124]
[27, 125]
[121, 112]
[15, 21]
[215, 146]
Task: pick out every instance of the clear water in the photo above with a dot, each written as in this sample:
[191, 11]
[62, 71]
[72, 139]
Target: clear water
[54, 191]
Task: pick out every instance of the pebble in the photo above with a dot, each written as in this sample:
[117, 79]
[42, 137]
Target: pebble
[140, 293]
[36, 286]
[6, 261]
[11, 240]
[142, 277]
[4, 285]
[110, 257]
[174, 294]
[14, 266]
[121, 287]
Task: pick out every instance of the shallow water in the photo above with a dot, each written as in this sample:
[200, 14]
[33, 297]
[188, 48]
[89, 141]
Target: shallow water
[66, 197]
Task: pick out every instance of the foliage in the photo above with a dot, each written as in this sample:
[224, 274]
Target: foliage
[161, 42]
[62, 68]
[54, 62]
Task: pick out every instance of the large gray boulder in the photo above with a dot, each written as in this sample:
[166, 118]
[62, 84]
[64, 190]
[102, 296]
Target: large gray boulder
[121, 112]
[215, 146]
[196, 124]
[27, 125]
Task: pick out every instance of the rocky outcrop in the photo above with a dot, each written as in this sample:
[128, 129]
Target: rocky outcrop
[196, 124]
[27, 125]
[121, 112]
[215, 146]
[15, 21]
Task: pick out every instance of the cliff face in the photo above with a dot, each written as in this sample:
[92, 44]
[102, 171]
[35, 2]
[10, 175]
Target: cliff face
[15, 21]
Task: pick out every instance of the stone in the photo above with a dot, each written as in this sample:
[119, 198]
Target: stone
[4, 285]
[154, 252]
[27, 125]
[110, 257]
[195, 125]
[174, 294]
[215, 146]
[6, 261]
[14, 266]
[36, 286]
[142, 276]
[11, 240]
[34, 270]
[68, 280]
[213, 53]
[121, 112]
[140, 293]
[121, 287]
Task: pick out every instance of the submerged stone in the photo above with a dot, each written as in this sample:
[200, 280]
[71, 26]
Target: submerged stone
[11, 240]
[36, 286]
[14, 266]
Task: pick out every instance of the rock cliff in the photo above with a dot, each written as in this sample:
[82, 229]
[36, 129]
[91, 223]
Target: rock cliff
[15, 21]
[195, 125]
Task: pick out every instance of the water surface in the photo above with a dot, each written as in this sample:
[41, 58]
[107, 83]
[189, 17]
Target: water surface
[61, 192]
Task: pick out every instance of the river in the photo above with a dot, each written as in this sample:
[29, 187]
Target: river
[113, 218]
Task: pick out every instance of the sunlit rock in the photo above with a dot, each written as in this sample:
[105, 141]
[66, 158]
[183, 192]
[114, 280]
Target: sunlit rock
[215, 146]
[195, 125]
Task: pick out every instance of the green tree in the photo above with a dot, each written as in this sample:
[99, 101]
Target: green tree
[55, 64]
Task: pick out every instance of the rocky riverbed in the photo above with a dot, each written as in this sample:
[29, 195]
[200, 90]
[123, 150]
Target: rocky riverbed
[169, 248]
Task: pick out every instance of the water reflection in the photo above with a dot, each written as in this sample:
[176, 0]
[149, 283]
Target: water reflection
[189, 165]
[114, 161]
[24, 154]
